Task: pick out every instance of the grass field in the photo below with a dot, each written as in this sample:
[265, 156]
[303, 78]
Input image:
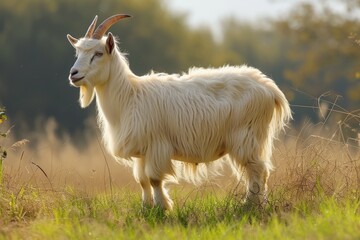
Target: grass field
[53, 190]
[73, 215]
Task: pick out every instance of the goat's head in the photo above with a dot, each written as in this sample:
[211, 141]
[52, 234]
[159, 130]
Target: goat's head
[93, 53]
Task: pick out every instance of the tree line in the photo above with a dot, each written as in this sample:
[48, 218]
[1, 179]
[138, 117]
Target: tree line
[308, 52]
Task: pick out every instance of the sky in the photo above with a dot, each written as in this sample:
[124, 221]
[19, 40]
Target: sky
[210, 12]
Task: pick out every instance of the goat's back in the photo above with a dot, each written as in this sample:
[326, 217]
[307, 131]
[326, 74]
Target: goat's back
[197, 114]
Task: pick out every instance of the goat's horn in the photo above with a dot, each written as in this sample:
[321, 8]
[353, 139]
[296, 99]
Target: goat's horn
[90, 31]
[104, 26]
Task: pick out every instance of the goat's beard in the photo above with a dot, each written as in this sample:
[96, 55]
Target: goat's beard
[86, 95]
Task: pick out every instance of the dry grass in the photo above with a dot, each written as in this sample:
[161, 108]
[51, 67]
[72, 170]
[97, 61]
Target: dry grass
[313, 168]
[316, 161]
[53, 163]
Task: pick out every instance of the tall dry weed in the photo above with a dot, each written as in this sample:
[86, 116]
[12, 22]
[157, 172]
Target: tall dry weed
[319, 160]
[311, 161]
[52, 162]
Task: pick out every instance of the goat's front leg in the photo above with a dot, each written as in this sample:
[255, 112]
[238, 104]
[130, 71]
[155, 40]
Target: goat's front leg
[161, 197]
[157, 166]
[140, 177]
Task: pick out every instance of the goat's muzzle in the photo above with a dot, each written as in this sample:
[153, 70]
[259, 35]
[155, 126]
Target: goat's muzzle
[73, 78]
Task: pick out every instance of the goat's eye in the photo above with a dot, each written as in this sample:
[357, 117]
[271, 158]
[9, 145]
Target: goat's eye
[97, 54]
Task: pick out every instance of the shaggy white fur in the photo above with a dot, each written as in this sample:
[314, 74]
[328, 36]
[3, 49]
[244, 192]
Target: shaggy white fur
[156, 120]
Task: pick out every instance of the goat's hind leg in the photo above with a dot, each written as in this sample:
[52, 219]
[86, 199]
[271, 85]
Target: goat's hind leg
[256, 164]
[140, 177]
[257, 173]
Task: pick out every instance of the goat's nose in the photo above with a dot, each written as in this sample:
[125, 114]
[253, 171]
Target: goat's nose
[73, 72]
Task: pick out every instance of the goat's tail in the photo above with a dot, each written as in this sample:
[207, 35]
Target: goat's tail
[282, 112]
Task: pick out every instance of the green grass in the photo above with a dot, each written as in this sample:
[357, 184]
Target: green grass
[37, 214]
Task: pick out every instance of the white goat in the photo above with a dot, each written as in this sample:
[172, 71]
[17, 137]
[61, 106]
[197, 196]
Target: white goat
[198, 117]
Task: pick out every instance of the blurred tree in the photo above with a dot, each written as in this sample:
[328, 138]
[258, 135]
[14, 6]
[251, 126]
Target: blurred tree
[308, 49]
[322, 56]
[259, 46]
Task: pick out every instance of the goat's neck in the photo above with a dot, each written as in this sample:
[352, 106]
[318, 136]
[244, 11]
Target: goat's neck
[115, 96]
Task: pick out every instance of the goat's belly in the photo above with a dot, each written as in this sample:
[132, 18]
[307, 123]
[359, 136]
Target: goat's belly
[200, 158]
[199, 152]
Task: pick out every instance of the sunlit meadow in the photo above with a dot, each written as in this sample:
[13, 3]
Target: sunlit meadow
[70, 188]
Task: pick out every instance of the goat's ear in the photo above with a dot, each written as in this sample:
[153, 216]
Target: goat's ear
[110, 43]
[72, 40]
